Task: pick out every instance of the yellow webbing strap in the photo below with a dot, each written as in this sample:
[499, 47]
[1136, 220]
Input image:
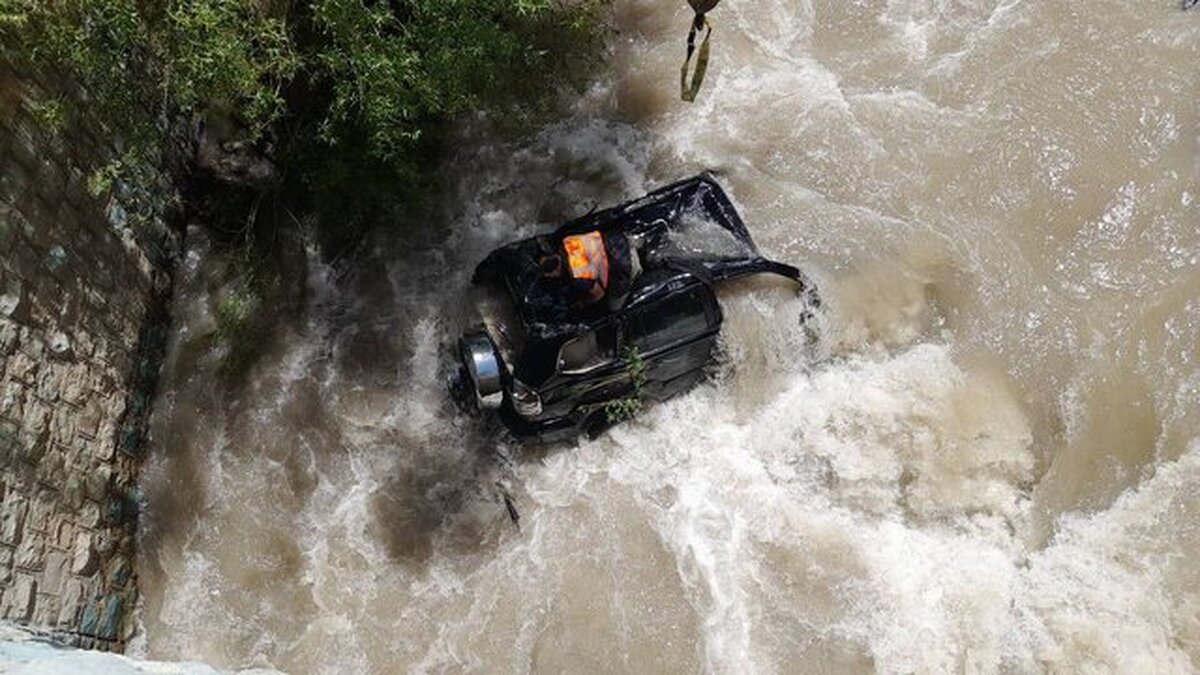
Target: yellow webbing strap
[686, 92]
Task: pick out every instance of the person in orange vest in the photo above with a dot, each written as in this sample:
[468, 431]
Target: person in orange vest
[606, 265]
[558, 290]
[578, 273]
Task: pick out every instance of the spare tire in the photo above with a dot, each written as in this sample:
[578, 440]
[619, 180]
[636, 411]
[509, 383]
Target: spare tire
[482, 364]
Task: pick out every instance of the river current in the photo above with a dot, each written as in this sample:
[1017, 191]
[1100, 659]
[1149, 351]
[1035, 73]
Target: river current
[989, 462]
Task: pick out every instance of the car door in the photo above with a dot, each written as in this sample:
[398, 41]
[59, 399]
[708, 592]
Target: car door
[588, 369]
[675, 337]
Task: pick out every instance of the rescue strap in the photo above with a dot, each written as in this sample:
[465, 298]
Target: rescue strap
[688, 92]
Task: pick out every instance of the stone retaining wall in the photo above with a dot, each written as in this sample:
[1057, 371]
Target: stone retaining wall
[81, 313]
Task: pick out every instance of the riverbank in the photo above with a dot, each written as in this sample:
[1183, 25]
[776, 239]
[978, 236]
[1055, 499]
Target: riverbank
[83, 291]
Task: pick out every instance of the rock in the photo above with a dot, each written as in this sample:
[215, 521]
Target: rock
[23, 367]
[110, 621]
[8, 335]
[85, 346]
[75, 384]
[35, 429]
[121, 573]
[104, 544]
[56, 257]
[64, 534]
[49, 381]
[116, 215]
[23, 594]
[89, 419]
[86, 559]
[45, 609]
[54, 572]
[41, 507]
[44, 309]
[69, 603]
[232, 164]
[59, 344]
[12, 520]
[63, 426]
[32, 549]
[10, 443]
[12, 300]
[128, 626]
[90, 619]
[32, 344]
[12, 400]
[72, 493]
[104, 448]
[96, 482]
[114, 405]
[6, 561]
[50, 469]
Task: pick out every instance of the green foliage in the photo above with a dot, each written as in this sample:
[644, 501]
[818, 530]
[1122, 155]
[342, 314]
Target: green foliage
[100, 182]
[628, 407]
[124, 67]
[11, 15]
[50, 114]
[393, 66]
[230, 55]
[236, 332]
[350, 97]
[133, 57]
[382, 80]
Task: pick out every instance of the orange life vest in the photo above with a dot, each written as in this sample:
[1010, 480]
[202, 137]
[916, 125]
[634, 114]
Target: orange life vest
[587, 257]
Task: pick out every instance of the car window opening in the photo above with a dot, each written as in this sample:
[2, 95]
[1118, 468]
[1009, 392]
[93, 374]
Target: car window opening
[587, 352]
[668, 323]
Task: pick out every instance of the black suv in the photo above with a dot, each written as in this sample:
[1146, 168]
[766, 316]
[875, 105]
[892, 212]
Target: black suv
[550, 378]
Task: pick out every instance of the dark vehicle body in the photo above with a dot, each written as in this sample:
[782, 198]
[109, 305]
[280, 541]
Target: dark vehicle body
[548, 378]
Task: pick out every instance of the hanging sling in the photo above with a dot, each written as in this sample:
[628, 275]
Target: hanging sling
[688, 91]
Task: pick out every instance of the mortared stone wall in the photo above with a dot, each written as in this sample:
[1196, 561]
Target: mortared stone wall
[83, 282]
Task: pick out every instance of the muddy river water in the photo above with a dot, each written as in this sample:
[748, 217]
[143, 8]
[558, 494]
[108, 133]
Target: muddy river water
[989, 462]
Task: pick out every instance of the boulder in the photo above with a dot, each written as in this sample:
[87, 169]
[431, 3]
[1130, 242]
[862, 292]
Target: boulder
[86, 559]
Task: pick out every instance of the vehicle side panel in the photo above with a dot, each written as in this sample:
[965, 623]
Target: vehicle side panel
[572, 402]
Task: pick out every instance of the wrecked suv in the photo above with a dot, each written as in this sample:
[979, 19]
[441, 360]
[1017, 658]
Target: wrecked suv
[551, 375]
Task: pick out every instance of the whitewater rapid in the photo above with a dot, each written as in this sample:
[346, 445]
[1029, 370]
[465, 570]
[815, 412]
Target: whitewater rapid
[988, 463]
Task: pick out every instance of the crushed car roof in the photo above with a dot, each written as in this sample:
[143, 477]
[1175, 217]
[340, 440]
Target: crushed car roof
[690, 227]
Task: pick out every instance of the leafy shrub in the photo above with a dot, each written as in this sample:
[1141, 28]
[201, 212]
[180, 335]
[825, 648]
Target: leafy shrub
[351, 100]
[350, 97]
[628, 407]
[236, 333]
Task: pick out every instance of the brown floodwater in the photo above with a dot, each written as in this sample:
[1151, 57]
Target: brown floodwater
[988, 463]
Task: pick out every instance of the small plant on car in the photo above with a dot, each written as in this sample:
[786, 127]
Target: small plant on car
[627, 407]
